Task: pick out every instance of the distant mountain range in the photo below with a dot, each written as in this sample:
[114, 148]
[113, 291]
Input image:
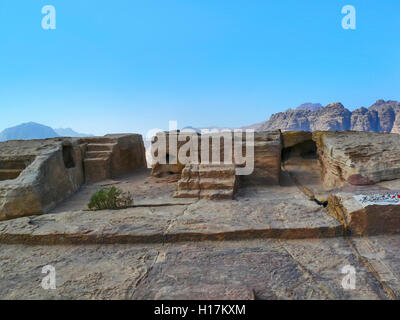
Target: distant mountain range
[382, 116]
[32, 130]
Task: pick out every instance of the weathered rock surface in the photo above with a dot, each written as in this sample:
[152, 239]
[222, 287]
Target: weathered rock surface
[388, 113]
[219, 148]
[291, 120]
[267, 159]
[153, 225]
[258, 212]
[50, 171]
[112, 156]
[332, 117]
[181, 248]
[365, 120]
[269, 269]
[363, 219]
[161, 248]
[358, 158]
[207, 181]
[381, 256]
[37, 175]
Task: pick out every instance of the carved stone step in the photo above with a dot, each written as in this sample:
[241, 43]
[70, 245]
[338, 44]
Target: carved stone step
[207, 181]
[101, 146]
[98, 154]
[97, 169]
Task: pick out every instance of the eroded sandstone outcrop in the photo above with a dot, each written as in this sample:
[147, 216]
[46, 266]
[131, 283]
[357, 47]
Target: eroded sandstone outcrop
[36, 175]
[358, 158]
[112, 155]
[53, 172]
[382, 116]
[388, 113]
[267, 159]
[332, 117]
[256, 155]
[207, 181]
[365, 120]
[362, 219]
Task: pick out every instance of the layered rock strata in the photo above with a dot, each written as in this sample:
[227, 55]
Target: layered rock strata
[361, 218]
[358, 158]
[382, 116]
[207, 182]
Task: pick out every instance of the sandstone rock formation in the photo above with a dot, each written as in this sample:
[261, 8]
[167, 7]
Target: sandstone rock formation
[352, 166]
[49, 172]
[333, 117]
[270, 269]
[383, 116]
[291, 120]
[364, 219]
[354, 158]
[207, 181]
[267, 159]
[287, 244]
[365, 120]
[358, 158]
[219, 149]
[112, 155]
[388, 113]
[37, 175]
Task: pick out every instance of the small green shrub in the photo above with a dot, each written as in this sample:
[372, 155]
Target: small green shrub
[110, 198]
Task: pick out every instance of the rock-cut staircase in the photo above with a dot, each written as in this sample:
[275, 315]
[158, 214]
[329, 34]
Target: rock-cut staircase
[97, 161]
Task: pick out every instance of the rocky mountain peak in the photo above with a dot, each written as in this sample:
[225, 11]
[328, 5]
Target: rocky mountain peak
[382, 116]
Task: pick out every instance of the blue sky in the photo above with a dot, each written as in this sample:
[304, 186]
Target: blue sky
[130, 66]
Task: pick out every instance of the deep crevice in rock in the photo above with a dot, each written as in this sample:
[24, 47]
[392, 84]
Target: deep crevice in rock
[321, 203]
[68, 157]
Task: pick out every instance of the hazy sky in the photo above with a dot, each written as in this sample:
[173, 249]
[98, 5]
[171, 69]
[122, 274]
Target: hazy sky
[129, 66]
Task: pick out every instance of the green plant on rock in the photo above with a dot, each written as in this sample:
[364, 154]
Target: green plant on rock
[110, 198]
